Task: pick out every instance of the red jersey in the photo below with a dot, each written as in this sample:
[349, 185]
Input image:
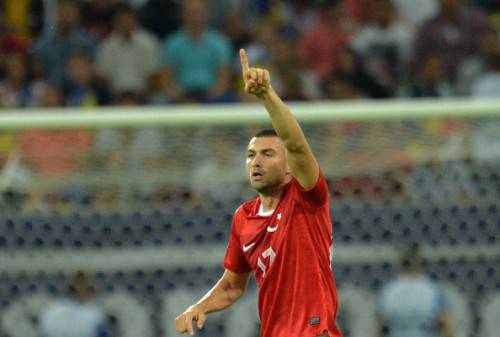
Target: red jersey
[289, 253]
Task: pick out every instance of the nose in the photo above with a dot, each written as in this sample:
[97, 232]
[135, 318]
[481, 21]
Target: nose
[256, 161]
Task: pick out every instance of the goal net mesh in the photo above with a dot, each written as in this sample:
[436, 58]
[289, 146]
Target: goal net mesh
[146, 212]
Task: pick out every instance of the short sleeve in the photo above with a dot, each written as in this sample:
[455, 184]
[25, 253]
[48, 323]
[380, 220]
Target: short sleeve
[234, 259]
[317, 196]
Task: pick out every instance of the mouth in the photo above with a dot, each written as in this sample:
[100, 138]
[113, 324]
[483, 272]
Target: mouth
[257, 176]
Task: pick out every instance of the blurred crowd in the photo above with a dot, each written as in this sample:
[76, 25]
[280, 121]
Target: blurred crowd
[86, 53]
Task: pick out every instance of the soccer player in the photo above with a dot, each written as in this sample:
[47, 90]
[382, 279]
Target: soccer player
[284, 235]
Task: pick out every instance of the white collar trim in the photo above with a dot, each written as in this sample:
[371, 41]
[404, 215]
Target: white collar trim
[262, 213]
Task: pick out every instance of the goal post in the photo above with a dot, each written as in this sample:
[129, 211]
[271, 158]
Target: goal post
[243, 114]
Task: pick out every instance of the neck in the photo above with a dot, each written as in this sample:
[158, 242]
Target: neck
[450, 15]
[196, 34]
[412, 272]
[269, 202]
[384, 24]
[65, 31]
[270, 199]
[126, 36]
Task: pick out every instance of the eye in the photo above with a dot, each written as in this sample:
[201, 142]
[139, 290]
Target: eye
[250, 155]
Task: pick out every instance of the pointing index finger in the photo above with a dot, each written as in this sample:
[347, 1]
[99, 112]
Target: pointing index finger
[244, 62]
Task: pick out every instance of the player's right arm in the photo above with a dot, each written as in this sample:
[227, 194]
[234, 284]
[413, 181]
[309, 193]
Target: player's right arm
[445, 325]
[226, 291]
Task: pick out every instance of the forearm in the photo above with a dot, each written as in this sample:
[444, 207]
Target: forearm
[284, 123]
[220, 297]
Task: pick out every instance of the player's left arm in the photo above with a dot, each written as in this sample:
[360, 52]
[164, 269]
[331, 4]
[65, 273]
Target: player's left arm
[303, 165]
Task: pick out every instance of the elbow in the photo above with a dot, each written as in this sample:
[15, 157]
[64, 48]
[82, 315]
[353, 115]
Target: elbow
[235, 294]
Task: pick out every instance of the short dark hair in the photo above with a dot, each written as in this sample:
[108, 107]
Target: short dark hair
[79, 284]
[123, 9]
[411, 258]
[266, 133]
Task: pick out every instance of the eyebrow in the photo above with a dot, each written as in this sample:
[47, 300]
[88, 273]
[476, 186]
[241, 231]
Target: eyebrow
[268, 149]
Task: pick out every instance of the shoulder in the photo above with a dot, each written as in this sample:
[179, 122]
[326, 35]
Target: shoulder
[145, 37]
[176, 38]
[315, 197]
[216, 36]
[95, 314]
[215, 39]
[54, 310]
[110, 42]
[390, 286]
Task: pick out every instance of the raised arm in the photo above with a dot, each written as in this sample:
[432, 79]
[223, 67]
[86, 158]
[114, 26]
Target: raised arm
[226, 291]
[303, 165]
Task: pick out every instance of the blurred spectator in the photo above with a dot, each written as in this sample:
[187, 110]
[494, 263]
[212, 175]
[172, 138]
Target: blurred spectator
[111, 144]
[263, 38]
[321, 45]
[351, 78]
[384, 47]
[416, 12]
[55, 46]
[360, 11]
[235, 30]
[157, 93]
[52, 97]
[430, 80]
[423, 312]
[299, 14]
[452, 35]
[97, 16]
[342, 86]
[9, 41]
[488, 84]
[75, 315]
[129, 56]
[84, 88]
[476, 65]
[197, 59]
[54, 153]
[18, 17]
[16, 90]
[247, 11]
[290, 80]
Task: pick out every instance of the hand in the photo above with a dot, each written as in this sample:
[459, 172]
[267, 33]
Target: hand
[257, 81]
[184, 322]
